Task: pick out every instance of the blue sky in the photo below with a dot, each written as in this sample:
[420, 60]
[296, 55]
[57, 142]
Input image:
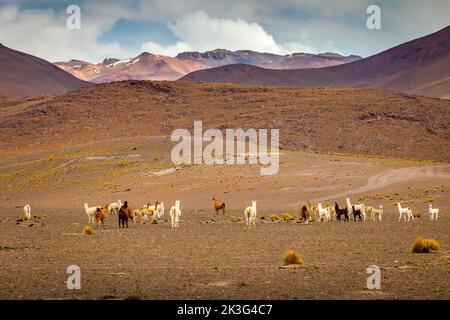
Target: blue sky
[126, 28]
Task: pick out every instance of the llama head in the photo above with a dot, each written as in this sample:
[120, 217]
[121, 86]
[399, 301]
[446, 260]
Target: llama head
[254, 203]
[381, 206]
[177, 203]
[430, 205]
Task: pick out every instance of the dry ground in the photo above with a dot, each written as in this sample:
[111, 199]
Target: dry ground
[211, 257]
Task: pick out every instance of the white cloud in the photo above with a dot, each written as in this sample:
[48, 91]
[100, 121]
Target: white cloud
[44, 33]
[282, 26]
[197, 31]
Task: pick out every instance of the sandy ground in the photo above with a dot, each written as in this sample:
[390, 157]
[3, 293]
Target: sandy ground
[209, 256]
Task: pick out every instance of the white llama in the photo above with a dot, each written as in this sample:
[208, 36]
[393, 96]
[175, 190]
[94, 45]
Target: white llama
[360, 206]
[27, 211]
[323, 213]
[114, 207]
[406, 213]
[160, 210]
[434, 212]
[175, 214]
[90, 211]
[250, 214]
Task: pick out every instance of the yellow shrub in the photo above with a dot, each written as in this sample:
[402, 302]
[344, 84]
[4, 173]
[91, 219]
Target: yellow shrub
[287, 217]
[88, 230]
[422, 245]
[274, 217]
[292, 257]
[22, 218]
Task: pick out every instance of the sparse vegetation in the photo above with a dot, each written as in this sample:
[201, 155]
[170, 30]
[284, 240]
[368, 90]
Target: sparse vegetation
[292, 257]
[38, 216]
[236, 219]
[22, 218]
[274, 217]
[422, 245]
[287, 217]
[88, 230]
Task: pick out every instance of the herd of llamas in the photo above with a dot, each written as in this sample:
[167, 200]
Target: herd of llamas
[360, 212]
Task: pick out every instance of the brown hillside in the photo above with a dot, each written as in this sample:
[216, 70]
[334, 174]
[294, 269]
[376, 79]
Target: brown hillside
[338, 120]
[23, 75]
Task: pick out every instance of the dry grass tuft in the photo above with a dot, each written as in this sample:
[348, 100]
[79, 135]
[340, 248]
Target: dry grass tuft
[38, 216]
[88, 230]
[422, 245]
[274, 217]
[287, 217]
[22, 218]
[292, 257]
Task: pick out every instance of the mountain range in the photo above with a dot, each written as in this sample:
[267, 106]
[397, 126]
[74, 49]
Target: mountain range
[420, 66]
[147, 66]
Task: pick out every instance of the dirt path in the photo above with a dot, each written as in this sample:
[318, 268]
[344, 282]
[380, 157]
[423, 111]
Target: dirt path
[393, 176]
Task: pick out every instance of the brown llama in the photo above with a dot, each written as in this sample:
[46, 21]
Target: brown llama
[101, 213]
[340, 212]
[125, 213]
[305, 214]
[218, 206]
